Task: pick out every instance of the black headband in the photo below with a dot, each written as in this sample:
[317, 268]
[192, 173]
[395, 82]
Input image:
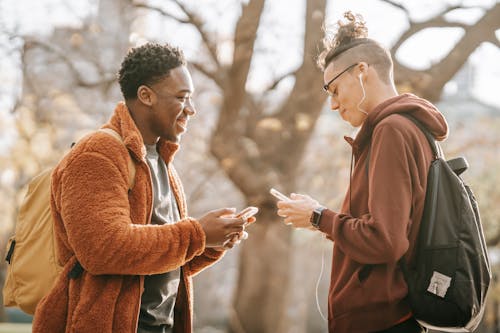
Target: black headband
[343, 48]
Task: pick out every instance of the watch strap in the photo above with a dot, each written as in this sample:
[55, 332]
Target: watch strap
[316, 216]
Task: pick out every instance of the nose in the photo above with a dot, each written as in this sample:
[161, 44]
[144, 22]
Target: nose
[189, 108]
[334, 105]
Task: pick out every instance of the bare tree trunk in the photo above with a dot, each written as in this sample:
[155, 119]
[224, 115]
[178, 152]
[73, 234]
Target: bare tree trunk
[261, 299]
[261, 296]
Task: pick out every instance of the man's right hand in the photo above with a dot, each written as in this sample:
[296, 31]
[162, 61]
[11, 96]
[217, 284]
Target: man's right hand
[217, 228]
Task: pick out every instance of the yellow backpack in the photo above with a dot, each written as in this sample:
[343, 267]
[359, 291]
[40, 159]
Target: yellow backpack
[31, 251]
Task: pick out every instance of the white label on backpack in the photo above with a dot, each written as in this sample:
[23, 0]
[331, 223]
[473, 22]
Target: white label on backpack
[439, 284]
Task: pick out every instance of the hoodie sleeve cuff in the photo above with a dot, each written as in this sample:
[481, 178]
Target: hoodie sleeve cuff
[326, 222]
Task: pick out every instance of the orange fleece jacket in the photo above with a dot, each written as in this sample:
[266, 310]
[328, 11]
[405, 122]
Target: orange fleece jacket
[380, 217]
[104, 227]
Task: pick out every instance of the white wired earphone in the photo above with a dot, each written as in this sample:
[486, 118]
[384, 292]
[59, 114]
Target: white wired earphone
[364, 94]
[323, 251]
[318, 282]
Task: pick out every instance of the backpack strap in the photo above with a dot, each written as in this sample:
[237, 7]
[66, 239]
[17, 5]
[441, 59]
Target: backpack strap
[436, 149]
[458, 165]
[131, 165]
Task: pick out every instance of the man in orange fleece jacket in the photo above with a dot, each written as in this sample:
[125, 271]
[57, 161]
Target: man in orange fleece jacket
[129, 252]
[380, 217]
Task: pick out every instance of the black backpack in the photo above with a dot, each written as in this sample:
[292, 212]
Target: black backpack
[449, 280]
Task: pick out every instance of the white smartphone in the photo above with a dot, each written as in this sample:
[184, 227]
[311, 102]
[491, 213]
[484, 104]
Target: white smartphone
[277, 194]
[246, 213]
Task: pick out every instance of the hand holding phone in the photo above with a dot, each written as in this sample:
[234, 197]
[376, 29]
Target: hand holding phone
[246, 213]
[277, 194]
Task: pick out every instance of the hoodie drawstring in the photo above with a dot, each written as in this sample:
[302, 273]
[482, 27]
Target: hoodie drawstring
[350, 181]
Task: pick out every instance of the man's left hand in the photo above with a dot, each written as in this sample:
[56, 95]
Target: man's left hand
[297, 211]
[235, 238]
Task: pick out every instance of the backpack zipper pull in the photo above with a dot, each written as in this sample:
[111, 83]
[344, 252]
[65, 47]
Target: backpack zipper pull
[8, 257]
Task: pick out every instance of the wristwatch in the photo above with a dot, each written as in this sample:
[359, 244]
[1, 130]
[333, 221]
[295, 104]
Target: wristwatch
[316, 216]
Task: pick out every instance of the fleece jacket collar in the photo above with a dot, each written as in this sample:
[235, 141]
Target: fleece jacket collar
[122, 122]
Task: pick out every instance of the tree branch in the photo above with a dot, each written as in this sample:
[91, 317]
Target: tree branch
[161, 11]
[301, 110]
[198, 24]
[454, 7]
[398, 5]
[308, 75]
[444, 71]
[429, 83]
[227, 144]
[214, 76]
[26, 81]
[191, 18]
[236, 77]
[280, 78]
[494, 40]
[436, 21]
[29, 43]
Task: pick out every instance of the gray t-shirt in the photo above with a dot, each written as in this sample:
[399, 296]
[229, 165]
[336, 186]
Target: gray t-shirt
[160, 290]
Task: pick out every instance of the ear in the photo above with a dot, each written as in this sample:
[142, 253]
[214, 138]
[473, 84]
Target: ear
[363, 69]
[145, 95]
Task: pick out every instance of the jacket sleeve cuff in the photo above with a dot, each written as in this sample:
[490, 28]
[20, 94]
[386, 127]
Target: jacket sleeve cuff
[200, 235]
[214, 254]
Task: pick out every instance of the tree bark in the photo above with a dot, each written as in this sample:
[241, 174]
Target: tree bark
[261, 297]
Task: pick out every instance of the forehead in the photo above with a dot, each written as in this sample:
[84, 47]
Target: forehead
[178, 80]
[330, 71]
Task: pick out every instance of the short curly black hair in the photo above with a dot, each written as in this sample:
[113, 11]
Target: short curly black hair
[147, 64]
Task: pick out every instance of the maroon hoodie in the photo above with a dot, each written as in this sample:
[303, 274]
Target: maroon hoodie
[380, 216]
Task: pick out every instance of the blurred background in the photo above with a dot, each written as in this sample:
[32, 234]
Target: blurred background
[263, 121]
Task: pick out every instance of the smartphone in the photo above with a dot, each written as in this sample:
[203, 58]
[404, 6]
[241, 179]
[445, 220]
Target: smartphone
[279, 195]
[247, 213]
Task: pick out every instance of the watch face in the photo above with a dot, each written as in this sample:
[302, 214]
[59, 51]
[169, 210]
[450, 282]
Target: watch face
[316, 216]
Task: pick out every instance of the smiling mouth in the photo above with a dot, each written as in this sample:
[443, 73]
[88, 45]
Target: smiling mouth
[182, 123]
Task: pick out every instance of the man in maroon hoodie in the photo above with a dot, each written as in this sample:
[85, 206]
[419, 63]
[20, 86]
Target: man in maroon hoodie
[379, 220]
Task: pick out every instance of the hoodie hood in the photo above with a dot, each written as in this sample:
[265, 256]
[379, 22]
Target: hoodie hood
[419, 108]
